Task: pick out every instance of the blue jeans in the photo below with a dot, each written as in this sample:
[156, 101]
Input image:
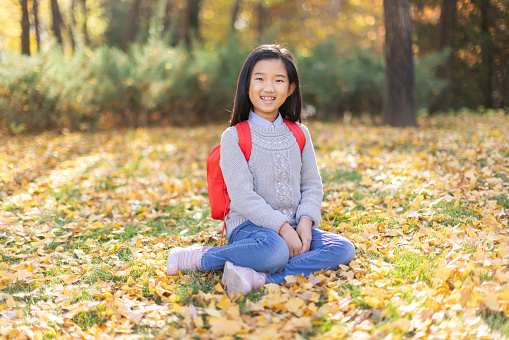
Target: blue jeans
[265, 251]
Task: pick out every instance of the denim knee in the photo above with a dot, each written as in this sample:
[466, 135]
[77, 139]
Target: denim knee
[344, 251]
[276, 255]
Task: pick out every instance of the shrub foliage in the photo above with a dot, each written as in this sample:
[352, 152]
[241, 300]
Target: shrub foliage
[155, 83]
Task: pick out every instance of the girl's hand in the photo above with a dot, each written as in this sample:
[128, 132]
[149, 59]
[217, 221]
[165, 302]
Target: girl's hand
[305, 234]
[291, 238]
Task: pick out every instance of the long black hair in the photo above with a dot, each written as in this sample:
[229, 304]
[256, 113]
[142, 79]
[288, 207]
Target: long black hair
[290, 109]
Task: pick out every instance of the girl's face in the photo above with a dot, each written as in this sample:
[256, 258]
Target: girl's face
[269, 87]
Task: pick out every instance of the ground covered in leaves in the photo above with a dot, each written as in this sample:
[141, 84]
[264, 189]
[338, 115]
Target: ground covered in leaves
[87, 220]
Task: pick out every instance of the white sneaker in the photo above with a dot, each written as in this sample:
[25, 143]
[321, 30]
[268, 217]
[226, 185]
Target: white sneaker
[242, 279]
[185, 259]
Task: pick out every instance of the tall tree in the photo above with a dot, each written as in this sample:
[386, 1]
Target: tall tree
[260, 15]
[85, 28]
[35, 9]
[130, 24]
[25, 28]
[446, 32]
[235, 13]
[487, 77]
[57, 20]
[193, 22]
[72, 25]
[399, 101]
[167, 22]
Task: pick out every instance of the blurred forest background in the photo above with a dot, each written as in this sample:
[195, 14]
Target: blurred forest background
[87, 65]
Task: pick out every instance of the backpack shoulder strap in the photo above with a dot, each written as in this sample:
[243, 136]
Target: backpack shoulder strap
[244, 138]
[297, 132]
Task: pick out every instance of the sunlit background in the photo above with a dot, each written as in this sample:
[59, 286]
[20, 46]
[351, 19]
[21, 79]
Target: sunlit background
[133, 62]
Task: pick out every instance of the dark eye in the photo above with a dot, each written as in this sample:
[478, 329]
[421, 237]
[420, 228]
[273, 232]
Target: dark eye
[259, 79]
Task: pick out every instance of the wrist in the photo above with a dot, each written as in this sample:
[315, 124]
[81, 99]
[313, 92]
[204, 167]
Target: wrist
[285, 228]
[304, 221]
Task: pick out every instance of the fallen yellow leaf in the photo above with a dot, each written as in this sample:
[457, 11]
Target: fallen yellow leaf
[372, 301]
[367, 181]
[444, 272]
[491, 302]
[224, 303]
[293, 305]
[219, 288]
[220, 326]
[70, 278]
[10, 302]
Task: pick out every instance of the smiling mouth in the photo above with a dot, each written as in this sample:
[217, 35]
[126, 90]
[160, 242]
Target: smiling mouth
[268, 99]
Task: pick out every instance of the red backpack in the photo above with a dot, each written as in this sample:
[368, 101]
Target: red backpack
[218, 193]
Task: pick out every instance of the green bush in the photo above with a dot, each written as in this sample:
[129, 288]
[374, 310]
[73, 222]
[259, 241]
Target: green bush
[25, 103]
[334, 83]
[155, 83]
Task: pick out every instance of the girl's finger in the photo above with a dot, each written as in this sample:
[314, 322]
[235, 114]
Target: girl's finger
[296, 252]
[305, 248]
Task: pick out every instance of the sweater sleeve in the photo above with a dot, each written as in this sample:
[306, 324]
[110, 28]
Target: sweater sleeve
[310, 185]
[240, 184]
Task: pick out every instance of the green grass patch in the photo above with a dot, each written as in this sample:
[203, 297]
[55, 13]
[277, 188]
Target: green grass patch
[9, 259]
[67, 193]
[497, 322]
[82, 294]
[469, 247]
[341, 176]
[456, 214]
[410, 266]
[125, 255]
[355, 294]
[137, 272]
[147, 332]
[253, 296]
[503, 200]
[19, 288]
[86, 320]
[99, 273]
[193, 283]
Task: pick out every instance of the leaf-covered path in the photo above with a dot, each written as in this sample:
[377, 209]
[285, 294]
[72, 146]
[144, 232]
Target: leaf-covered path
[87, 220]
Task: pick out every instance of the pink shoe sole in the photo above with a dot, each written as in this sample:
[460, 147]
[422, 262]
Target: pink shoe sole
[185, 259]
[171, 266]
[234, 281]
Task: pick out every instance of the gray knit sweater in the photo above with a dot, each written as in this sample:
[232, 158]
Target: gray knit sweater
[277, 185]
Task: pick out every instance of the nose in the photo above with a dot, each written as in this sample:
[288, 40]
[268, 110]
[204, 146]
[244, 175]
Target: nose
[269, 86]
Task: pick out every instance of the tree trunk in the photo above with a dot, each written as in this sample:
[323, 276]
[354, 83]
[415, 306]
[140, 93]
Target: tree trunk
[37, 24]
[57, 20]
[487, 73]
[261, 14]
[85, 28]
[72, 25]
[192, 29]
[25, 28]
[171, 32]
[399, 101]
[167, 19]
[132, 19]
[446, 32]
[235, 13]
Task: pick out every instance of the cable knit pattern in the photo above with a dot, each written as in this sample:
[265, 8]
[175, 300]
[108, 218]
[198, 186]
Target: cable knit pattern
[277, 185]
[283, 184]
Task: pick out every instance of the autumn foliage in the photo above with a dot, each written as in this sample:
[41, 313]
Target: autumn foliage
[87, 220]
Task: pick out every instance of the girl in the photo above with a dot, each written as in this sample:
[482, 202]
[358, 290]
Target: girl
[275, 197]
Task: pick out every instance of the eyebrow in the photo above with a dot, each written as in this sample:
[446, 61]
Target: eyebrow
[277, 75]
